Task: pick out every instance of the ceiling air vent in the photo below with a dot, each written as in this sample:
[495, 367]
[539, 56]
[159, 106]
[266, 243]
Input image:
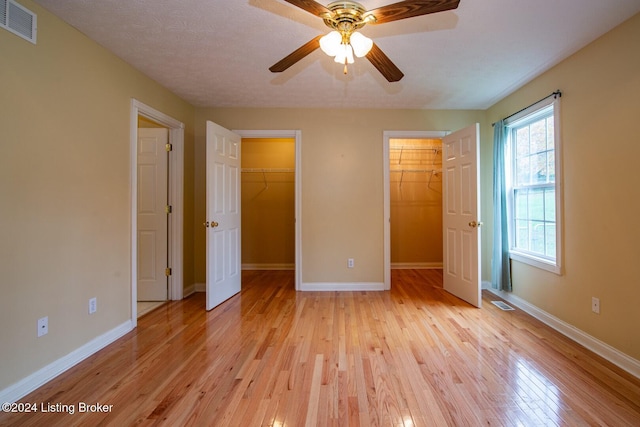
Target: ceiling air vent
[18, 19]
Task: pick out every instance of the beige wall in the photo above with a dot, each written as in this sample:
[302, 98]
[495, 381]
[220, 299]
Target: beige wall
[600, 109]
[342, 182]
[64, 191]
[268, 203]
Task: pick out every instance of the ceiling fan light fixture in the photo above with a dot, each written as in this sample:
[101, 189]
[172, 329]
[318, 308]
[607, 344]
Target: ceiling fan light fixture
[345, 54]
[330, 43]
[361, 44]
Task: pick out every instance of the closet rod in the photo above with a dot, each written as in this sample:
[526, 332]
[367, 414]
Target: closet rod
[556, 94]
[431, 171]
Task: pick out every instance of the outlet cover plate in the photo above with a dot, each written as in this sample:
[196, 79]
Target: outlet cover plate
[43, 326]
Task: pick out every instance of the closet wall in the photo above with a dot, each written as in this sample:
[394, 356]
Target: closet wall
[416, 203]
[268, 203]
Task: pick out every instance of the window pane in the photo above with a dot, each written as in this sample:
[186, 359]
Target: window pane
[550, 134]
[550, 204]
[523, 171]
[522, 234]
[522, 142]
[551, 166]
[537, 234]
[536, 205]
[539, 168]
[550, 247]
[538, 136]
[521, 208]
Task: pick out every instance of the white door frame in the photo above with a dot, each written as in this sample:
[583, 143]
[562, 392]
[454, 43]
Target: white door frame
[388, 135]
[297, 135]
[176, 198]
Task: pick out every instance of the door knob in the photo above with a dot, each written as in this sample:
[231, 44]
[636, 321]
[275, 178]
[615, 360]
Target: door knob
[214, 224]
[474, 224]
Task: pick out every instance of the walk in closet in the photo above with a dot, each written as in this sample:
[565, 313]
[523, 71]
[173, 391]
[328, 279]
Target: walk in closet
[416, 203]
[268, 203]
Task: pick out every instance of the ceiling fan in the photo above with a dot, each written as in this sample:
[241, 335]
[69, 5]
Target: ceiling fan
[345, 18]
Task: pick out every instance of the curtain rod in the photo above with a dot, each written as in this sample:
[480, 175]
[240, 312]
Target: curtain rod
[556, 94]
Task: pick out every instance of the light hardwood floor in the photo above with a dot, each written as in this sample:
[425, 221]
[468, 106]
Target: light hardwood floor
[414, 356]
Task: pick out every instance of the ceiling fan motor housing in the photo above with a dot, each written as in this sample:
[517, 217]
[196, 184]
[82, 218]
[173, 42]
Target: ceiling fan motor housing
[347, 17]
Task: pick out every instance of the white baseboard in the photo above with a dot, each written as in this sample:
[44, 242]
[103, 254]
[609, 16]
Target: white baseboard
[189, 290]
[283, 266]
[602, 349]
[28, 384]
[342, 286]
[416, 265]
[200, 287]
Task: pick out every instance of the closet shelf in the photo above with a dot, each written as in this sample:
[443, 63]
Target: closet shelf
[264, 172]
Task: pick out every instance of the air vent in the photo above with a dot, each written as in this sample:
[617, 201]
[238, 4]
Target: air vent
[18, 19]
[502, 305]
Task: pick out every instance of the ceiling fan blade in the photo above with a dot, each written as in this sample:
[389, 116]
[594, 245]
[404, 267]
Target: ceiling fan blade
[410, 8]
[310, 6]
[382, 62]
[296, 55]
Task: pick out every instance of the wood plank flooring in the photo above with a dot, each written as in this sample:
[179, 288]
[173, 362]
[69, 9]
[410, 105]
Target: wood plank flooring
[414, 356]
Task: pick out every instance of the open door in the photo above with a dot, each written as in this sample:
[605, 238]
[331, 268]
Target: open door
[461, 239]
[223, 215]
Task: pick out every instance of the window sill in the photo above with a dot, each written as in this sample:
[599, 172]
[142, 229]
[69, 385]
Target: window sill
[533, 261]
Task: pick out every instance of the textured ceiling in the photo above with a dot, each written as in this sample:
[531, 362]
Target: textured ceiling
[216, 53]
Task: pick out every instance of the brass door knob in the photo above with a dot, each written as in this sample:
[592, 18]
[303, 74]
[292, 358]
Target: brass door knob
[474, 224]
[214, 224]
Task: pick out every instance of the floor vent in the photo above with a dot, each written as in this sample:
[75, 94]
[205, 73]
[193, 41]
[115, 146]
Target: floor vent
[502, 305]
[19, 20]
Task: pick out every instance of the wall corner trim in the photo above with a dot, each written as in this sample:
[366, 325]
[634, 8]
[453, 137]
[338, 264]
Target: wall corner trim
[37, 379]
[601, 348]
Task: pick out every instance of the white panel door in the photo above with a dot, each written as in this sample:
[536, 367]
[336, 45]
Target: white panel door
[461, 241]
[223, 215]
[153, 162]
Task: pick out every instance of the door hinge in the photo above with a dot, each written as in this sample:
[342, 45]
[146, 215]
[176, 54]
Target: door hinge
[167, 272]
[168, 209]
[169, 147]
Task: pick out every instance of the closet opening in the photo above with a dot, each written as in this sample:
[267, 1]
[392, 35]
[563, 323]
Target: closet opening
[415, 170]
[412, 170]
[268, 203]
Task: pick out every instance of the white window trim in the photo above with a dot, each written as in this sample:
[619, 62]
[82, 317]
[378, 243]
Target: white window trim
[554, 266]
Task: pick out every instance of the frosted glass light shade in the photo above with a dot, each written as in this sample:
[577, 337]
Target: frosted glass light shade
[330, 43]
[345, 54]
[361, 44]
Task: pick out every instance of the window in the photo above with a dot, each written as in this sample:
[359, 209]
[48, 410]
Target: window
[533, 185]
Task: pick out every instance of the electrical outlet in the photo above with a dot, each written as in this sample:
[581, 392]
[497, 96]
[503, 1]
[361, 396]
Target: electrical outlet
[595, 305]
[43, 326]
[93, 305]
[350, 263]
